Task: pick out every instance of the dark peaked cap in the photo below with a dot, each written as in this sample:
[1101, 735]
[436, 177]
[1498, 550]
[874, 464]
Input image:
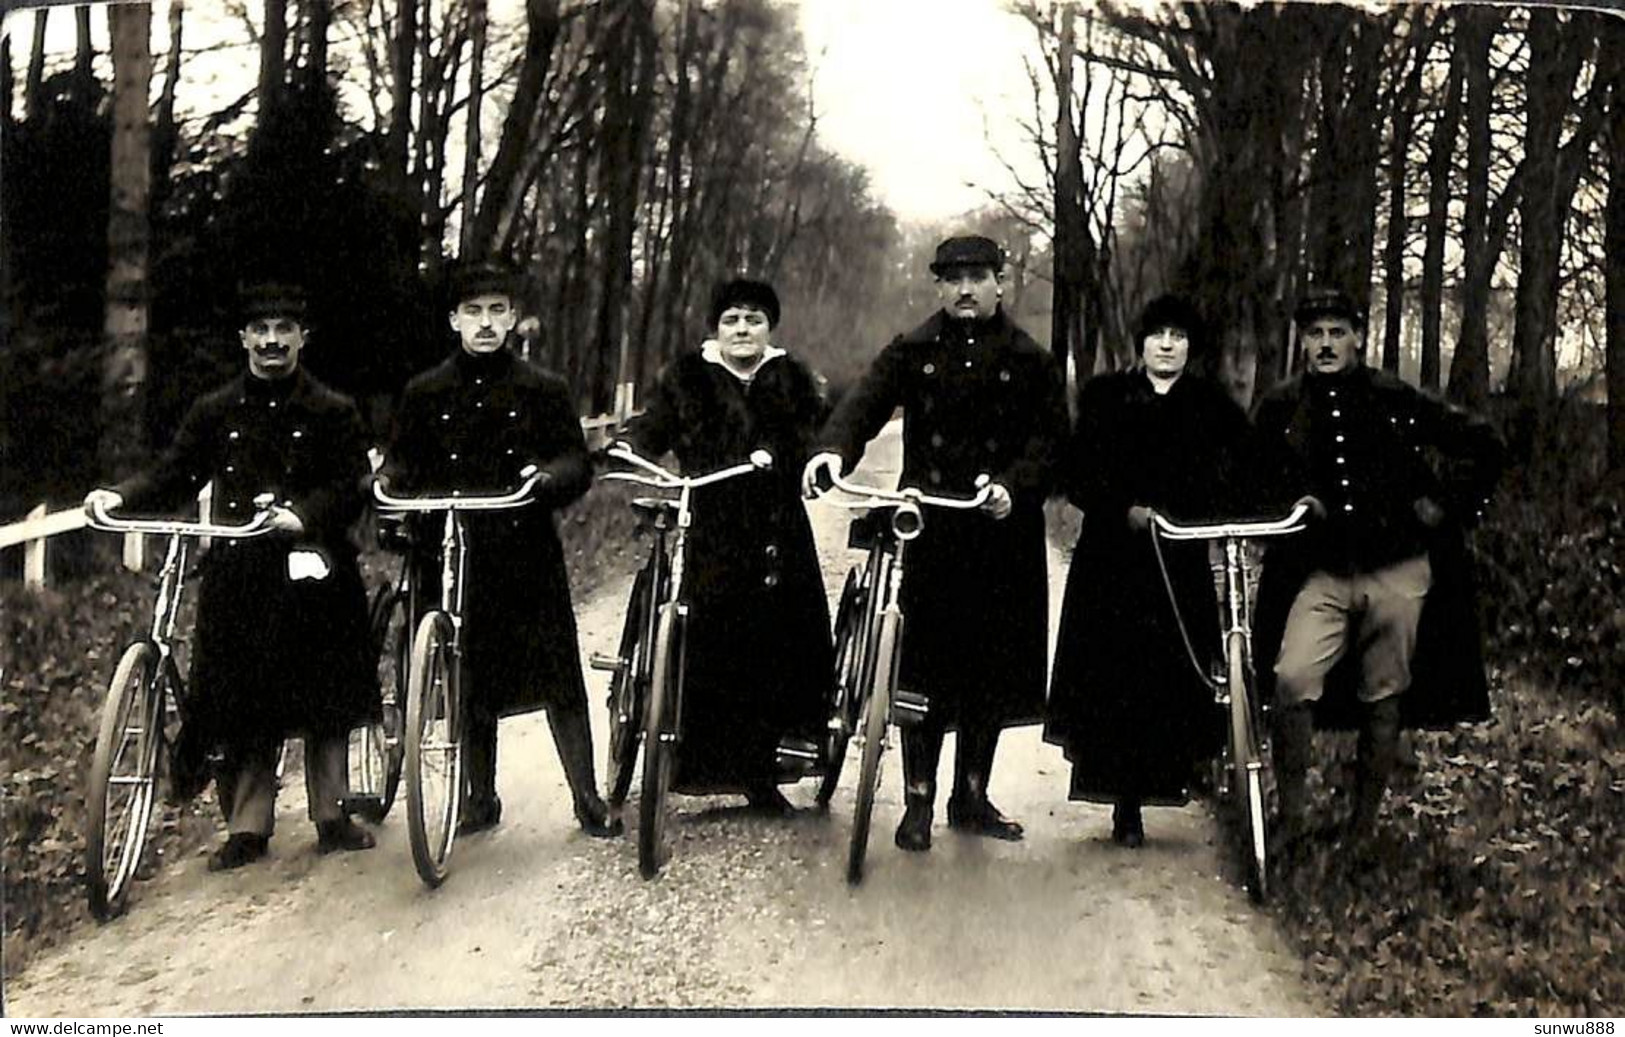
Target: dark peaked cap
[260, 299]
[1328, 302]
[968, 250]
[482, 277]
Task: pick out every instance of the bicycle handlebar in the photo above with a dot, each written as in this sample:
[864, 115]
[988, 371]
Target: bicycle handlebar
[518, 498]
[875, 495]
[664, 479]
[256, 526]
[1292, 523]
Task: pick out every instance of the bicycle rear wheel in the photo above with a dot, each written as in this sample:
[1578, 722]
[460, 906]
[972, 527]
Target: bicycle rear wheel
[629, 688]
[122, 789]
[659, 745]
[844, 704]
[1247, 776]
[876, 713]
[378, 750]
[434, 771]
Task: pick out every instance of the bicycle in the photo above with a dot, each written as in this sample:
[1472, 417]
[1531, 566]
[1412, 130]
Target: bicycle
[869, 637]
[435, 693]
[1243, 766]
[142, 712]
[378, 750]
[646, 682]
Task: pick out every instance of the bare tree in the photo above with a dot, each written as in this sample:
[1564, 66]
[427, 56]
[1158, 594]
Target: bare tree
[1440, 164]
[34, 88]
[165, 135]
[471, 143]
[1402, 124]
[1614, 250]
[1470, 366]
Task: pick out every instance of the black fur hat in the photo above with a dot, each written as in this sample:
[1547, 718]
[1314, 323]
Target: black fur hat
[757, 295]
[1170, 311]
[482, 277]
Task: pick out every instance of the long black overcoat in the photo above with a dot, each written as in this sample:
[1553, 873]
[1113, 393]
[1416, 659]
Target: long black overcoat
[759, 662]
[472, 424]
[1127, 704]
[1396, 444]
[273, 656]
[977, 397]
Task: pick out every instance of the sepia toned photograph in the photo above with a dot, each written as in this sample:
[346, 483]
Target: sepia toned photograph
[864, 507]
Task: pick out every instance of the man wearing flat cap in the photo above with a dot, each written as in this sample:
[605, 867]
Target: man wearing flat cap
[1372, 606]
[282, 644]
[472, 424]
[978, 396]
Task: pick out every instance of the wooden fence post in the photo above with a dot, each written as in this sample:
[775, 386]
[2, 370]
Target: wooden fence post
[34, 554]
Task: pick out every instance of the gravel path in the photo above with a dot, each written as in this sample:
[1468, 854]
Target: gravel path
[749, 913]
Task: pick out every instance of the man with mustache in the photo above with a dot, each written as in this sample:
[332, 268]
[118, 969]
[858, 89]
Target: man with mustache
[978, 396]
[281, 646]
[473, 424]
[1372, 606]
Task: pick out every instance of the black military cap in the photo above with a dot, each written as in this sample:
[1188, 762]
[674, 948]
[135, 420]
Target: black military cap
[968, 250]
[482, 277]
[257, 300]
[1327, 302]
[1170, 311]
[756, 295]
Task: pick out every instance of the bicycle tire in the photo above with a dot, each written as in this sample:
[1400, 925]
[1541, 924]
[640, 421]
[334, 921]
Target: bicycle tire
[628, 688]
[118, 820]
[876, 715]
[843, 720]
[434, 778]
[380, 754]
[1246, 778]
[659, 745]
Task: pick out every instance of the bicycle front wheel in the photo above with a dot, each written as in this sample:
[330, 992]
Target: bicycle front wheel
[434, 760]
[844, 704]
[1247, 775]
[122, 787]
[659, 745]
[629, 687]
[876, 712]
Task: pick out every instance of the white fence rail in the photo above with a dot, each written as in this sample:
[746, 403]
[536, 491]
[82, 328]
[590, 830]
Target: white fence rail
[38, 527]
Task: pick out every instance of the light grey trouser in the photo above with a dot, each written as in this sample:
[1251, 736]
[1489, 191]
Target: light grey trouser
[1377, 611]
[253, 801]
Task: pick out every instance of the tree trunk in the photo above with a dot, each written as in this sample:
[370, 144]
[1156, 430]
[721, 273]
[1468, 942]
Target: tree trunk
[165, 135]
[8, 84]
[1614, 249]
[84, 56]
[1554, 64]
[505, 184]
[34, 89]
[273, 59]
[1439, 166]
[128, 231]
[318, 19]
[1469, 383]
[1065, 305]
[402, 61]
[471, 143]
[1393, 261]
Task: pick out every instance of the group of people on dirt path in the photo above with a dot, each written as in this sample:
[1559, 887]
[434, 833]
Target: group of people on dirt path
[1365, 620]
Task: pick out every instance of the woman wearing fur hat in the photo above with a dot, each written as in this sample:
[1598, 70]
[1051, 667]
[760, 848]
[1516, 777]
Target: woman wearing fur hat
[1132, 712]
[759, 658]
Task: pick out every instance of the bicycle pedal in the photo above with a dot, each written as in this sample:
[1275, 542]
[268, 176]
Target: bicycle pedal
[792, 750]
[909, 707]
[611, 663]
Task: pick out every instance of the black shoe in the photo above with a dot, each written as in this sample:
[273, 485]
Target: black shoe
[479, 815]
[1128, 829]
[596, 820]
[914, 833]
[981, 817]
[767, 799]
[239, 849]
[342, 835]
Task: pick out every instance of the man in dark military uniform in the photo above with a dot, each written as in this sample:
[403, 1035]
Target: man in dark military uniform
[979, 396]
[1385, 547]
[282, 645]
[473, 424]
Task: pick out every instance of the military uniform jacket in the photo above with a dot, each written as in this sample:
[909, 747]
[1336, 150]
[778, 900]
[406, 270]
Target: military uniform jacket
[273, 656]
[977, 397]
[473, 424]
[759, 662]
[1368, 445]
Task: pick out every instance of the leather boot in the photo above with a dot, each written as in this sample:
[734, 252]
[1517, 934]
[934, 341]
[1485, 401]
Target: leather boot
[239, 849]
[1294, 733]
[342, 834]
[1378, 747]
[481, 809]
[1128, 828]
[969, 809]
[914, 833]
[572, 735]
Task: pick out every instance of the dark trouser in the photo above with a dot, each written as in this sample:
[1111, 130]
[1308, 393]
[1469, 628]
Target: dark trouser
[973, 758]
[572, 735]
[248, 783]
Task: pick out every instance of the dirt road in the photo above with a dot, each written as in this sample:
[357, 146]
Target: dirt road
[750, 912]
